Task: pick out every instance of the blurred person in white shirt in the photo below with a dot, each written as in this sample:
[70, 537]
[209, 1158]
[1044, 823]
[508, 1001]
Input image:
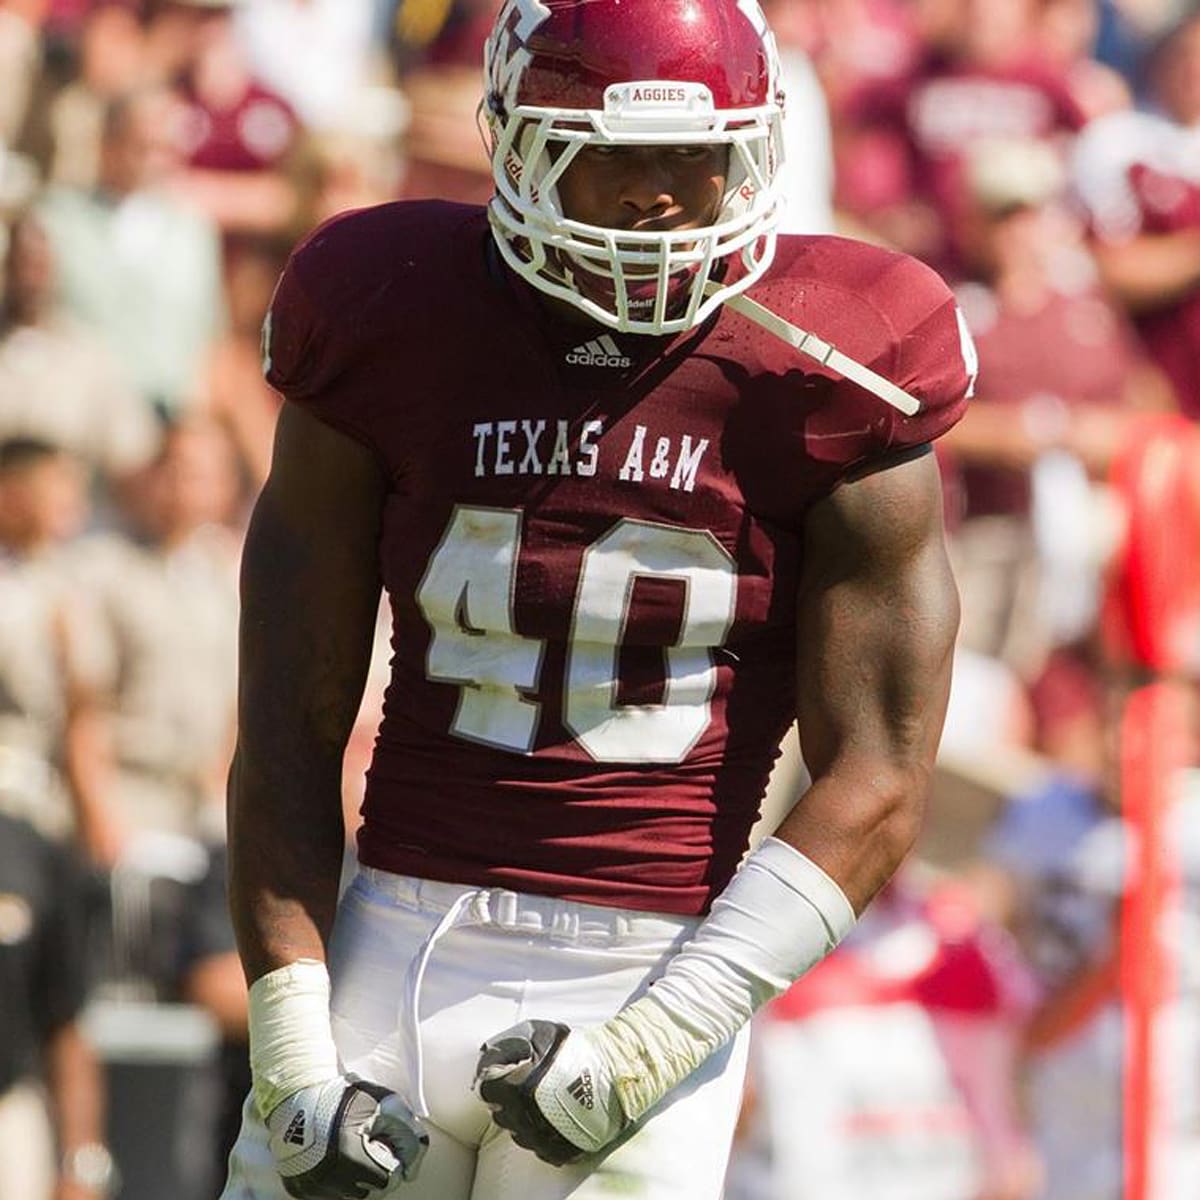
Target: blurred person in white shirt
[138, 267]
[58, 380]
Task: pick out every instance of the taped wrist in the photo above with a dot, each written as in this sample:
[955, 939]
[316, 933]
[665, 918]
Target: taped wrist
[779, 916]
[291, 1041]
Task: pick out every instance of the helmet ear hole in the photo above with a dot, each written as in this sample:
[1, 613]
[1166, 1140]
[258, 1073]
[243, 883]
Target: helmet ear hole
[588, 72]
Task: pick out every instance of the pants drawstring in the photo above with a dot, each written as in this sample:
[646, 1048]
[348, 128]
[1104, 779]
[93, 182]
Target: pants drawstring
[413, 979]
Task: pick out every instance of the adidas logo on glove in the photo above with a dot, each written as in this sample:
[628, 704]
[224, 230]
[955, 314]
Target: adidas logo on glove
[294, 1133]
[581, 1090]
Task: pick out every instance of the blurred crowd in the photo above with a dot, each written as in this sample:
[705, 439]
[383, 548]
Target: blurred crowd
[158, 159]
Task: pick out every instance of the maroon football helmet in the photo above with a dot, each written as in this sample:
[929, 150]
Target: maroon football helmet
[563, 74]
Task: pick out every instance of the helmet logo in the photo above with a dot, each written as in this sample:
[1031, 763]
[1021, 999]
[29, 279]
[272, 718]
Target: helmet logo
[531, 14]
[754, 14]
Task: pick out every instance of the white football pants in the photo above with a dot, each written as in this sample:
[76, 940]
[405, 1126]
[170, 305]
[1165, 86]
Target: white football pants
[424, 972]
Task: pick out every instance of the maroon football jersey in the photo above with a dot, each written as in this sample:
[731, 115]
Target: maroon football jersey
[592, 541]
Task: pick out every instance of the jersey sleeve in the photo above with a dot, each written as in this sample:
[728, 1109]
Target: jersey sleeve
[311, 338]
[934, 357]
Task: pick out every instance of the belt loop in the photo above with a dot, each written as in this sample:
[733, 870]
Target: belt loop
[565, 923]
[505, 910]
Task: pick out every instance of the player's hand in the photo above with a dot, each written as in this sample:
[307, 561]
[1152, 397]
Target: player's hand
[549, 1087]
[343, 1138]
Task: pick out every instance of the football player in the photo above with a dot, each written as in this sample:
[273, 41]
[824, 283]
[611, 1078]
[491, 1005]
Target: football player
[644, 484]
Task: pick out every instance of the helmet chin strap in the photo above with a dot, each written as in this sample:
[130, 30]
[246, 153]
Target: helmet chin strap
[827, 355]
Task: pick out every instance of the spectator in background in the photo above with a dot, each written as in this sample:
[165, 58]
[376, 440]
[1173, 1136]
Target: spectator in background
[806, 178]
[58, 381]
[856, 45]
[210, 976]
[50, 670]
[320, 55]
[985, 78]
[236, 134]
[240, 398]
[168, 603]
[889, 1071]
[102, 57]
[1058, 852]
[444, 155]
[360, 165]
[54, 1151]
[136, 265]
[845, 48]
[1061, 379]
[1128, 27]
[1138, 175]
[1066, 33]
[20, 61]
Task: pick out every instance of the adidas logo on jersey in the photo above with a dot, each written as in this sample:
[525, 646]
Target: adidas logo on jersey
[603, 352]
[581, 1089]
[294, 1133]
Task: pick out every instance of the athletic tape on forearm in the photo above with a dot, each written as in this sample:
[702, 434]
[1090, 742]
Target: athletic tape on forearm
[779, 916]
[291, 1043]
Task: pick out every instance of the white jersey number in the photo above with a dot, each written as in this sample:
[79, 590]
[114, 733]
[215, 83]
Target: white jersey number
[466, 597]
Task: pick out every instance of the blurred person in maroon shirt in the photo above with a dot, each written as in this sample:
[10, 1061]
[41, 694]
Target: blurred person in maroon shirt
[984, 75]
[237, 135]
[1062, 378]
[1067, 34]
[1138, 176]
[854, 44]
[855, 47]
[890, 1070]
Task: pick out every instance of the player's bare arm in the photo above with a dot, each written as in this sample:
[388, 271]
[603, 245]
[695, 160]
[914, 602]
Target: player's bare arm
[311, 555]
[877, 618]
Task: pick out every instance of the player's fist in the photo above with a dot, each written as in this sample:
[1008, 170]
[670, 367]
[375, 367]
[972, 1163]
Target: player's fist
[344, 1138]
[548, 1086]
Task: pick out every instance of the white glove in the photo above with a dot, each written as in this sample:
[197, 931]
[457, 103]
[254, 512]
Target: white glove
[563, 1093]
[344, 1138]
[549, 1087]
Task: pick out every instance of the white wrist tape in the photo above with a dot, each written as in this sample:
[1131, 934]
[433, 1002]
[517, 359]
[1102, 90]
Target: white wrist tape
[291, 1042]
[779, 916]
